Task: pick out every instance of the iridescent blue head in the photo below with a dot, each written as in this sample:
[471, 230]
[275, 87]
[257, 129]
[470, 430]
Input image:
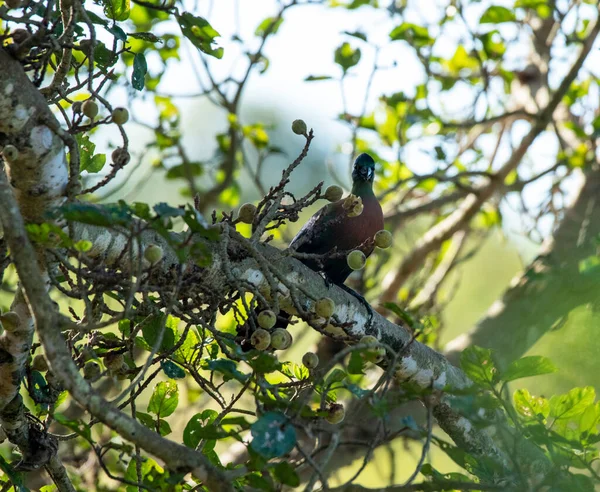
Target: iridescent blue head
[364, 168]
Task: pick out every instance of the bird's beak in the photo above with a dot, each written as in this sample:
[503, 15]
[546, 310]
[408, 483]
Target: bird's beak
[366, 173]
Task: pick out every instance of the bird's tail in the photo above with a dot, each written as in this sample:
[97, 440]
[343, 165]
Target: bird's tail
[244, 332]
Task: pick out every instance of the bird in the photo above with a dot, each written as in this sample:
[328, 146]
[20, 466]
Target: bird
[331, 229]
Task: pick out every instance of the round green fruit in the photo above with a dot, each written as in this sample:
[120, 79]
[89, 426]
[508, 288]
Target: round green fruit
[91, 370]
[90, 108]
[335, 413]
[281, 339]
[247, 213]
[356, 210]
[39, 363]
[260, 339]
[120, 116]
[299, 127]
[267, 319]
[10, 320]
[334, 193]
[310, 360]
[383, 239]
[10, 153]
[325, 307]
[356, 259]
[114, 362]
[153, 253]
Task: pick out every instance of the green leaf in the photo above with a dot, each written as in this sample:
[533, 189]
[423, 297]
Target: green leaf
[335, 376]
[477, 363]
[87, 160]
[172, 370]
[412, 33]
[164, 400]
[531, 407]
[192, 434]
[153, 475]
[226, 367]
[140, 68]
[268, 26]
[83, 246]
[357, 34]
[589, 265]
[153, 327]
[315, 78]
[356, 365]
[117, 10]
[525, 367]
[573, 403]
[117, 32]
[496, 15]
[199, 31]
[145, 36]
[148, 421]
[264, 363]
[346, 57]
[273, 435]
[285, 474]
[100, 215]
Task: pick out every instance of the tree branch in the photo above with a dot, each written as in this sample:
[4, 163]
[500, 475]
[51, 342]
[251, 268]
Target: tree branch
[442, 231]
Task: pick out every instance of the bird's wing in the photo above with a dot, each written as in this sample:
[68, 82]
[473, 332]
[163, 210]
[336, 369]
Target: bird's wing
[309, 238]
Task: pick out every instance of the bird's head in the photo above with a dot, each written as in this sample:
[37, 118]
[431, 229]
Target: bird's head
[364, 168]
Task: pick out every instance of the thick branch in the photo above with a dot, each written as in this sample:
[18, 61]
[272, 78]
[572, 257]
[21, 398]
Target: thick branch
[49, 325]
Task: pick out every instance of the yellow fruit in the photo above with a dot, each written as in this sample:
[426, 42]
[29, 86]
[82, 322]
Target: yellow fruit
[335, 413]
[368, 340]
[281, 339]
[356, 259]
[247, 213]
[325, 307]
[310, 360]
[333, 193]
[10, 321]
[39, 363]
[120, 116]
[356, 210]
[383, 239]
[261, 339]
[376, 354]
[90, 108]
[350, 202]
[114, 362]
[91, 370]
[10, 153]
[267, 319]
[153, 253]
[299, 127]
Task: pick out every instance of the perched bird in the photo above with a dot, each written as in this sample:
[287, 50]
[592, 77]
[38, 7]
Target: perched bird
[333, 227]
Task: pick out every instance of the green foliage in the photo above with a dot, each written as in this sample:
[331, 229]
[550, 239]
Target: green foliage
[88, 160]
[347, 57]
[139, 311]
[164, 399]
[273, 435]
[199, 31]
